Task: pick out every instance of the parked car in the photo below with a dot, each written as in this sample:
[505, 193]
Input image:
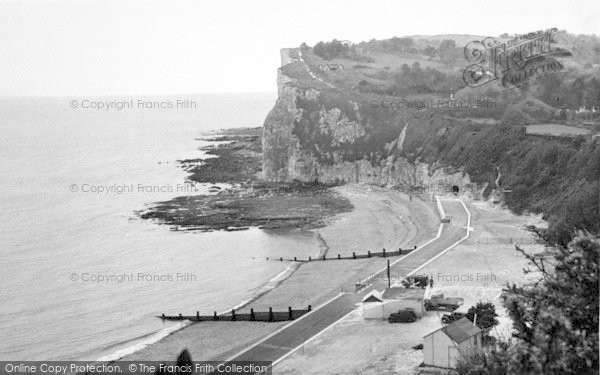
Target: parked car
[438, 302]
[416, 281]
[403, 316]
[449, 318]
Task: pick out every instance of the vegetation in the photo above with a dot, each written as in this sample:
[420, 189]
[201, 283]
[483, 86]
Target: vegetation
[335, 49]
[555, 321]
[485, 312]
[557, 177]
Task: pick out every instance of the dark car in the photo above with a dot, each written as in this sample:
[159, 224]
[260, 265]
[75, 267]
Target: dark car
[449, 318]
[403, 316]
[438, 302]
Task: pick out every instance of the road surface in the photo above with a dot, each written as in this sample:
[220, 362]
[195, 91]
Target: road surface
[284, 341]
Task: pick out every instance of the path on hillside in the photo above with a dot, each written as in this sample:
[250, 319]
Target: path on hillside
[286, 340]
[311, 73]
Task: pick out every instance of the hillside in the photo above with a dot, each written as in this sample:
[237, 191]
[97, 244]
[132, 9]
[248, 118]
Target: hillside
[399, 112]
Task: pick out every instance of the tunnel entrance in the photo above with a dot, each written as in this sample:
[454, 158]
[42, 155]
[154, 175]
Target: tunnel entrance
[455, 189]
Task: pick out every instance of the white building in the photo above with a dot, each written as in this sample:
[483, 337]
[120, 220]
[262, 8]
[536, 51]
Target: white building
[373, 296]
[443, 347]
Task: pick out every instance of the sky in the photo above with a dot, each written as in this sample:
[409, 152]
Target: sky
[114, 47]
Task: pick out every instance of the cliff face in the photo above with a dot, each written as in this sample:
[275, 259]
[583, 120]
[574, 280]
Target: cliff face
[330, 125]
[303, 114]
[279, 144]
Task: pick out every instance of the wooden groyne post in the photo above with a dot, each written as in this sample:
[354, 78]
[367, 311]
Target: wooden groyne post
[388, 274]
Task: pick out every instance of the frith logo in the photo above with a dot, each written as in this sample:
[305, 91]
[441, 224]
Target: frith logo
[515, 62]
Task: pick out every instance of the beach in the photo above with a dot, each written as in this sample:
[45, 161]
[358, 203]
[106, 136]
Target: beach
[381, 218]
[475, 270]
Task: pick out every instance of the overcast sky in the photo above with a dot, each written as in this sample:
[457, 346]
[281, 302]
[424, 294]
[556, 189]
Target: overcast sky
[83, 47]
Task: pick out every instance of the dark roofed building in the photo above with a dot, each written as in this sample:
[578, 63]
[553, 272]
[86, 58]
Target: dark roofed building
[443, 347]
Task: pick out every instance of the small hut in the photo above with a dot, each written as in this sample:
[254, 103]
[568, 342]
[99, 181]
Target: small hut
[443, 347]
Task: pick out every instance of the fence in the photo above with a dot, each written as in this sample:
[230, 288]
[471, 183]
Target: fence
[252, 316]
[506, 241]
[383, 254]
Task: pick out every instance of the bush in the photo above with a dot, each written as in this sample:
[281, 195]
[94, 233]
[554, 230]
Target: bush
[486, 315]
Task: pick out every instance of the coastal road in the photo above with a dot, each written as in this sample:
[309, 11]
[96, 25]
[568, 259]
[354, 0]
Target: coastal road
[287, 339]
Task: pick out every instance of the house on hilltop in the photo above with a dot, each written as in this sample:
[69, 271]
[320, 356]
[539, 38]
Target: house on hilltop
[443, 347]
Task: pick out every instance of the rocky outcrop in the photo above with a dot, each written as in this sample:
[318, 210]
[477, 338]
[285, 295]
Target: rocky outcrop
[279, 144]
[287, 158]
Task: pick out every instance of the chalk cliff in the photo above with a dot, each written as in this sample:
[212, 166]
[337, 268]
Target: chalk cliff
[327, 136]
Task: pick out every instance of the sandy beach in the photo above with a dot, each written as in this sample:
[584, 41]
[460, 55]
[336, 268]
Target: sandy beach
[476, 270]
[381, 219]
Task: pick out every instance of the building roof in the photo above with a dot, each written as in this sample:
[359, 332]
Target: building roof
[404, 293]
[460, 330]
[373, 296]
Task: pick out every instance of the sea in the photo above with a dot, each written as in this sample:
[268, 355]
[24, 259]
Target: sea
[82, 277]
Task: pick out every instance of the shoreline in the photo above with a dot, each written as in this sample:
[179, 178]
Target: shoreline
[234, 157]
[380, 219]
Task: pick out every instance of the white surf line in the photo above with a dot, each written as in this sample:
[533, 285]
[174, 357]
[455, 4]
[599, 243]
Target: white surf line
[240, 305]
[312, 338]
[283, 328]
[451, 246]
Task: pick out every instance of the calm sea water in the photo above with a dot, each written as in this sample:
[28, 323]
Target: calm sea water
[82, 276]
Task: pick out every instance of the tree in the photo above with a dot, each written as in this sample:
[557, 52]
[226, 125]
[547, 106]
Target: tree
[486, 315]
[447, 45]
[557, 319]
[448, 51]
[429, 51]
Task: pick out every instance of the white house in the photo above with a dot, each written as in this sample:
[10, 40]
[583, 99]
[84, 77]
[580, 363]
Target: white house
[443, 347]
[393, 300]
[373, 296]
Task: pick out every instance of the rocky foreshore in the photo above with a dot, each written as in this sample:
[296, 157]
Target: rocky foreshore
[237, 160]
